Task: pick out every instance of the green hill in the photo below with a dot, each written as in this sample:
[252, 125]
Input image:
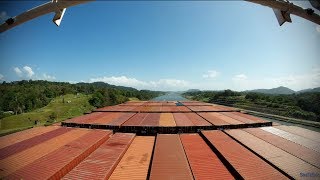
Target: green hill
[278, 90]
[60, 108]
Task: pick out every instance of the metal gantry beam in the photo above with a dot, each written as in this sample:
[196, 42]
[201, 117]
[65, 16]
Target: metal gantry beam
[286, 8]
[55, 6]
[282, 8]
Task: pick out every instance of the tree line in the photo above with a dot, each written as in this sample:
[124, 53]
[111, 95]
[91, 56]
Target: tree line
[27, 95]
[301, 105]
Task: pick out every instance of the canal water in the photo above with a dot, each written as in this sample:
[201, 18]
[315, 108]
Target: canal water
[172, 96]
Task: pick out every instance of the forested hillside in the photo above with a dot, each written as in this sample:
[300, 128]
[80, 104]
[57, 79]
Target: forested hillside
[25, 96]
[300, 105]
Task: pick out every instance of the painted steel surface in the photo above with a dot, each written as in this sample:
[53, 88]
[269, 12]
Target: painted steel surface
[247, 116]
[136, 120]
[24, 135]
[169, 160]
[247, 164]
[210, 117]
[28, 143]
[101, 163]
[294, 138]
[59, 162]
[167, 119]
[21, 159]
[182, 119]
[295, 149]
[203, 161]
[290, 164]
[135, 162]
[313, 135]
[197, 120]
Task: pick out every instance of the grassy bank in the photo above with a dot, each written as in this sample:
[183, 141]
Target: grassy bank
[59, 109]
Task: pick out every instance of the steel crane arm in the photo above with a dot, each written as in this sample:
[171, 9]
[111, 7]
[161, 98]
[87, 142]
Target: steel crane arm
[289, 8]
[49, 7]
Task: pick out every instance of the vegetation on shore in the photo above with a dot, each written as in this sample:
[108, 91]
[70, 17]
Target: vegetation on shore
[60, 108]
[30, 103]
[302, 105]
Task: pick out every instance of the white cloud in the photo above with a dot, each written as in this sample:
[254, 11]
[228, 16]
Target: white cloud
[240, 77]
[293, 81]
[120, 81]
[318, 28]
[299, 81]
[28, 71]
[162, 84]
[3, 16]
[1, 77]
[211, 74]
[48, 77]
[18, 71]
[169, 84]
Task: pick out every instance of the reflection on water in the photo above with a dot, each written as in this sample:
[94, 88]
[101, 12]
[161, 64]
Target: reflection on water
[172, 96]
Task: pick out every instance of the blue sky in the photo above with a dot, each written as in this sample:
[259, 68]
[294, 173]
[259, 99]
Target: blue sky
[165, 45]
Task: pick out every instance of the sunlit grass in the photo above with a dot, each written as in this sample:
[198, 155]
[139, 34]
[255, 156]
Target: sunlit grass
[74, 105]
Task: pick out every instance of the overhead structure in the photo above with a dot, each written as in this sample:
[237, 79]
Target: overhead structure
[55, 6]
[283, 9]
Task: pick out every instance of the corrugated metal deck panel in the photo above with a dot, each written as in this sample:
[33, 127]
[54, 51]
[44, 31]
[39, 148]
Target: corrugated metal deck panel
[121, 119]
[197, 120]
[28, 143]
[247, 164]
[247, 116]
[295, 149]
[101, 163]
[135, 162]
[224, 108]
[144, 108]
[169, 160]
[59, 162]
[285, 161]
[86, 118]
[204, 108]
[136, 120]
[150, 103]
[183, 109]
[239, 118]
[294, 138]
[313, 135]
[169, 109]
[196, 104]
[226, 118]
[167, 119]
[275, 124]
[108, 117]
[117, 108]
[152, 119]
[134, 103]
[156, 108]
[213, 120]
[169, 103]
[24, 135]
[21, 159]
[182, 120]
[203, 162]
